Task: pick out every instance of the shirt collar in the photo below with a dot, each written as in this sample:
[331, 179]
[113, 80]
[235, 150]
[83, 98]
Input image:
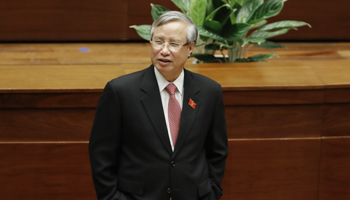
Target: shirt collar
[162, 82]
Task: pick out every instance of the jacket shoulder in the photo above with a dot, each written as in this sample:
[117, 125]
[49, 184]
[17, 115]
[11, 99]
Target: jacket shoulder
[129, 77]
[128, 81]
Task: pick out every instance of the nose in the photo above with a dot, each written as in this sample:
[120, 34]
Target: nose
[165, 50]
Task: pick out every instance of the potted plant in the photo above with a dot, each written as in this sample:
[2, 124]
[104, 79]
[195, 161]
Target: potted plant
[231, 27]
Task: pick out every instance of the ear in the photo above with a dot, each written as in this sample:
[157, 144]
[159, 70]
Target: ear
[190, 48]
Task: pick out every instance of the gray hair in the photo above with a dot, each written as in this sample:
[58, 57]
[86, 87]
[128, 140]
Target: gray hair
[192, 32]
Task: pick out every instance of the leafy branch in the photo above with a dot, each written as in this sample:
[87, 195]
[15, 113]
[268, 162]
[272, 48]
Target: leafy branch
[229, 26]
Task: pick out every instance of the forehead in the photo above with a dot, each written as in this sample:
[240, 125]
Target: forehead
[176, 30]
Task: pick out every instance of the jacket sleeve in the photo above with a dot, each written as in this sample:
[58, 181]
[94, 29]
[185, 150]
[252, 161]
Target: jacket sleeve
[104, 145]
[217, 148]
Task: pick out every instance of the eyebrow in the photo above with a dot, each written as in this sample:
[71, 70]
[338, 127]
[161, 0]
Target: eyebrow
[159, 38]
[171, 39]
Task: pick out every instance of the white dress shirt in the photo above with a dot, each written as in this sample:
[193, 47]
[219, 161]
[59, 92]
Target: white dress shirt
[164, 95]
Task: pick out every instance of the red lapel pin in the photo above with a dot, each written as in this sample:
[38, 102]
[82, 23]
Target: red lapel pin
[192, 104]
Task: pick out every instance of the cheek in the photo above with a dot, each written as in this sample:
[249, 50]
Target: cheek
[153, 53]
[183, 56]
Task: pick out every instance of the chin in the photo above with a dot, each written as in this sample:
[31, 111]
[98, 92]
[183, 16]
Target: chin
[160, 67]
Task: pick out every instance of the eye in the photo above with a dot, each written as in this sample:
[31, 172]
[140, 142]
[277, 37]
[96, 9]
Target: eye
[159, 42]
[174, 44]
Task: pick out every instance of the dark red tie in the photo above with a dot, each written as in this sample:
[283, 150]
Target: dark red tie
[174, 112]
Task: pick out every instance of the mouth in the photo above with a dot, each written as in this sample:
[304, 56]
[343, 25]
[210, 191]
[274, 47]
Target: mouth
[164, 60]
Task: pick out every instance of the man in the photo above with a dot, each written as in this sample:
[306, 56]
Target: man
[148, 143]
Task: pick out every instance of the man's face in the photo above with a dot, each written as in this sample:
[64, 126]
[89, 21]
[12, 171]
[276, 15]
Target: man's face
[170, 63]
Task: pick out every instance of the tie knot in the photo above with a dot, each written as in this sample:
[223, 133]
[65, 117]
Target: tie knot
[171, 88]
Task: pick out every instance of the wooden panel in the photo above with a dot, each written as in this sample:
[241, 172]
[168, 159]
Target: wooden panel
[334, 172]
[311, 11]
[272, 170]
[46, 124]
[49, 100]
[90, 100]
[109, 20]
[91, 70]
[74, 53]
[336, 120]
[274, 121]
[260, 76]
[337, 95]
[273, 97]
[247, 76]
[53, 171]
[56, 78]
[253, 169]
[62, 20]
[344, 53]
[337, 77]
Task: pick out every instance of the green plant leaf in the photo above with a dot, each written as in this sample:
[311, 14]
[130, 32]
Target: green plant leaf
[216, 22]
[261, 57]
[235, 31]
[212, 46]
[157, 10]
[208, 58]
[225, 46]
[283, 24]
[178, 3]
[224, 14]
[212, 14]
[247, 10]
[242, 2]
[266, 34]
[184, 5]
[217, 46]
[258, 24]
[236, 9]
[206, 33]
[210, 7]
[241, 60]
[233, 18]
[255, 40]
[256, 58]
[143, 31]
[232, 3]
[217, 3]
[203, 38]
[270, 45]
[197, 11]
[268, 9]
[215, 26]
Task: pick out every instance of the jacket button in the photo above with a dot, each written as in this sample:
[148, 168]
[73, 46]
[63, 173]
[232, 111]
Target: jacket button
[168, 190]
[173, 163]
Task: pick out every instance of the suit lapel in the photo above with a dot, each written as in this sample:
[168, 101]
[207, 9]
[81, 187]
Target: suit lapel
[188, 113]
[153, 106]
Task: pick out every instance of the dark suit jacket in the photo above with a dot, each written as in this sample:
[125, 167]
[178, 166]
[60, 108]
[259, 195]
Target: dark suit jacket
[130, 152]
